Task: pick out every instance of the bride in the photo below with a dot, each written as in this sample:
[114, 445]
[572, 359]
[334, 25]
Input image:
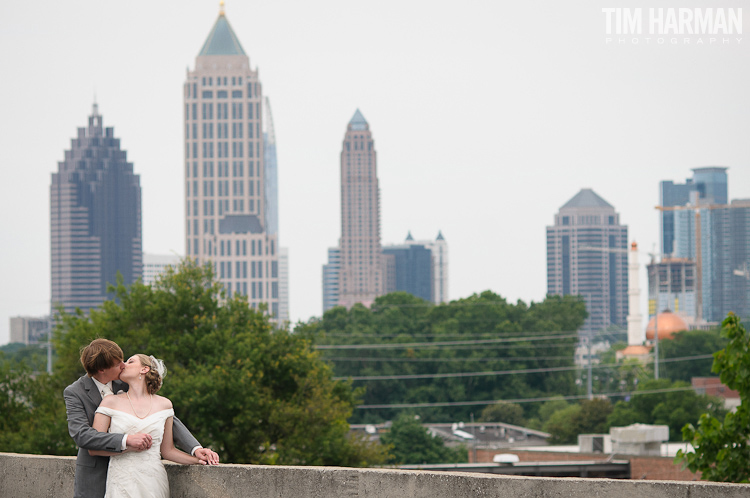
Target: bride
[140, 410]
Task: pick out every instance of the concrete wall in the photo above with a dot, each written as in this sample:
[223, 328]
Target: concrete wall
[35, 476]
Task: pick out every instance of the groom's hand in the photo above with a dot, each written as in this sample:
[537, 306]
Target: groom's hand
[206, 456]
[139, 442]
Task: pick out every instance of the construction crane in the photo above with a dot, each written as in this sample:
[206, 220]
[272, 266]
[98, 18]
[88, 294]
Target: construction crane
[697, 207]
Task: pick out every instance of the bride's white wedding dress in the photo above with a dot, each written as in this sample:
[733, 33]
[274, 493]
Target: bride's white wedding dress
[142, 473]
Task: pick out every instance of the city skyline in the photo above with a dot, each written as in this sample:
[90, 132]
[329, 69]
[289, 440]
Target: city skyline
[483, 127]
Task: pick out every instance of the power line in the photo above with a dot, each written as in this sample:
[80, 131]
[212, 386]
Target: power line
[458, 374]
[441, 343]
[440, 360]
[518, 400]
[496, 372]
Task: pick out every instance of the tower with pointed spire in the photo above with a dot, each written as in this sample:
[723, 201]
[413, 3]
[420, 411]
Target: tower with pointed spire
[95, 219]
[227, 219]
[361, 272]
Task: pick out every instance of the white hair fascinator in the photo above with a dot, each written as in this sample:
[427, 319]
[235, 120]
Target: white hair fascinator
[159, 366]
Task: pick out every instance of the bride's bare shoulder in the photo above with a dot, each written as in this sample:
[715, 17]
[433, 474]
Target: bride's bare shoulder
[162, 403]
[112, 401]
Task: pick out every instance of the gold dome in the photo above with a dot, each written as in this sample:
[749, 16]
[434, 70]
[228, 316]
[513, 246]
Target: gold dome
[669, 324]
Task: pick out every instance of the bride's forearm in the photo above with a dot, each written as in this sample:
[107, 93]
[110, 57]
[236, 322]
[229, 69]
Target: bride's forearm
[177, 456]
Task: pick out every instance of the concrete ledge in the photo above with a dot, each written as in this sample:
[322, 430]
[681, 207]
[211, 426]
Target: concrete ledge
[46, 476]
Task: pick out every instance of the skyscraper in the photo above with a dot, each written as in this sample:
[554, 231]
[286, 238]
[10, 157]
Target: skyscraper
[587, 256]
[225, 173]
[95, 219]
[711, 185]
[417, 266]
[331, 272]
[271, 171]
[711, 232]
[409, 269]
[361, 273]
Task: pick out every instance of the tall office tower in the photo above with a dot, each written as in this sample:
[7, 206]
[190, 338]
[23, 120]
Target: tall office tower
[283, 285]
[331, 272]
[439, 248]
[722, 279]
[225, 211]
[271, 171]
[587, 256]
[360, 277]
[710, 183]
[409, 268]
[95, 219]
[156, 264]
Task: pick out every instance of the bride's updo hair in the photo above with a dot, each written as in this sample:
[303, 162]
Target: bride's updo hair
[154, 377]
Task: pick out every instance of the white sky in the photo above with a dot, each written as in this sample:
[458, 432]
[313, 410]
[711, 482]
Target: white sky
[487, 117]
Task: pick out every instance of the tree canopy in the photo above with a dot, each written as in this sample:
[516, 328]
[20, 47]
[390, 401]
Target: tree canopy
[252, 393]
[481, 333]
[411, 443]
[670, 405]
[721, 448]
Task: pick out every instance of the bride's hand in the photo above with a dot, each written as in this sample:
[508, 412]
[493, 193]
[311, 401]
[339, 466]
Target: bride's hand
[206, 456]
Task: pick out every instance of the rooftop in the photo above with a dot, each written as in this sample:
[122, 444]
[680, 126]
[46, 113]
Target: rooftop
[358, 121]
[222, 40]
[587, 198]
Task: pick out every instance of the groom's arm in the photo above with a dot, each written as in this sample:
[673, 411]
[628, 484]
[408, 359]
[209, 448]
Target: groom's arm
[82, 433]
[183, 438]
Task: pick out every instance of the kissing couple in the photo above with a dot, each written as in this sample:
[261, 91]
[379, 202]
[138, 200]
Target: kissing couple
[122, 437]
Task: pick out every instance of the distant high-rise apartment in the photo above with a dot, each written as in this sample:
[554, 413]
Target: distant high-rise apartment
[331, 272]
[439, 248]
[95, 219]
[29, 329]
[271, 171]
[360, 275]
[417, 266]
[587, 256]
[225, 172]
[409, 269]
[156, 264]
[283, 285]
[710, 183]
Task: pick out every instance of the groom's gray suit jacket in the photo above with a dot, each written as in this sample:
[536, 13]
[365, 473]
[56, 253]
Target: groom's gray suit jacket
[82, 398]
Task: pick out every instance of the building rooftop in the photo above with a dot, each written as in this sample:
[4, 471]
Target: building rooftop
[358, 121]
[586, 198]
[222, 40]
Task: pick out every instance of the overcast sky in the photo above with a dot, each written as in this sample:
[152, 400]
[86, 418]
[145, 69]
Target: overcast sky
[487, 117]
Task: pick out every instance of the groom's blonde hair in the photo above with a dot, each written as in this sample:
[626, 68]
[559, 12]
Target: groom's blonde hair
[100, 354]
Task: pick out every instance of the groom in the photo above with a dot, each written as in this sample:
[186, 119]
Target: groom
[103, 361]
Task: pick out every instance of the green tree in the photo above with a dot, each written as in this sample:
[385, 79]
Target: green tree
[255, 394]
[507, 413]
[484, 332]
[686, 344]
[35, 356]
[411, 443]
[560, 425]
[673, 408]
[33, 419]
[721, 449]
[586, 417]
